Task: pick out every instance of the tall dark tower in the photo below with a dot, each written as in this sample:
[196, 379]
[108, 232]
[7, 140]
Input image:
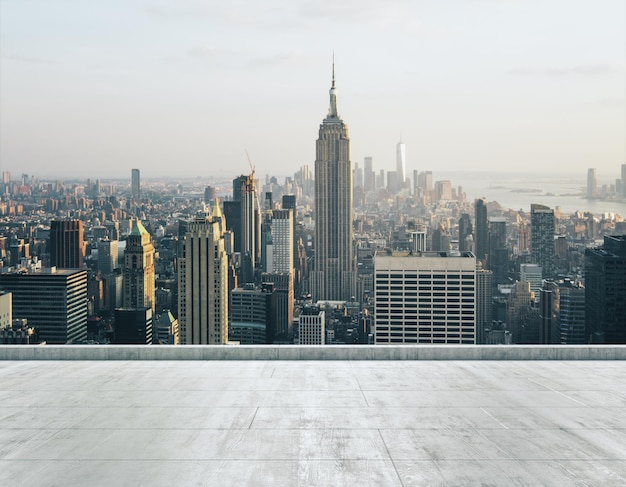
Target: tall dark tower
[333, 277]
[605, 291]
[481, 228]
[465, 230]
[542, 238]
[67, 244]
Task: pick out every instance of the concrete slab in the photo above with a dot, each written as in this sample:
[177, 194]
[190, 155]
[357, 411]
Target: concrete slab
[280, 422]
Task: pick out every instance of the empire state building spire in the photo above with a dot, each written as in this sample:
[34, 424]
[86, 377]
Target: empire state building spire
[332, 111]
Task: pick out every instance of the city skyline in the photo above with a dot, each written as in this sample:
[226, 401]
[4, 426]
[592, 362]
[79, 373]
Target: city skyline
[97, 89]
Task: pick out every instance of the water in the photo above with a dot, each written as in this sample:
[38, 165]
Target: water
[520, 190]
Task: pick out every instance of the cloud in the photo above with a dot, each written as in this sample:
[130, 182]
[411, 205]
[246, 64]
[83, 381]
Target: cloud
[600, 69]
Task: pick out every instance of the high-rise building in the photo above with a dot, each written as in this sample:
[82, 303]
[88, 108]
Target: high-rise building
[133, 326]
[624, 180]
[592, 183]
[138, 269]
[400, 164]
[107, 256]
[252, 314]
[542, 238]
[312, 326]
[280, 259]
[481, 229]
[369, 175]
[284, 286]
[484, 303]
[605, 296]
[465, 230]
[203, 283]
[334, 274]
[498, 256]
[135, 185]
[532, 274]
[425, 298]
[244, 190]
[52, 300]
[572, 313]
[67, 244]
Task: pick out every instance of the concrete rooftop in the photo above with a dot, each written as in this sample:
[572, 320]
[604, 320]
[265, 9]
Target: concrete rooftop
[328, 423]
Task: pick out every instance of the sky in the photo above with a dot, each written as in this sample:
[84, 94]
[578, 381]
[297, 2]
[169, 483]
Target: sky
[183, 88]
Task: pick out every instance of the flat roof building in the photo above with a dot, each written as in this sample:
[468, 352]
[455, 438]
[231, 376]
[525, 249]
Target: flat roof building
[429, 297]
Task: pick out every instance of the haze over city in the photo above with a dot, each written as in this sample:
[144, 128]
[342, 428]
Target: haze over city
[182, 88]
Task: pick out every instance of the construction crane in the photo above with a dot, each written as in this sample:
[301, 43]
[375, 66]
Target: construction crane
[253, 188]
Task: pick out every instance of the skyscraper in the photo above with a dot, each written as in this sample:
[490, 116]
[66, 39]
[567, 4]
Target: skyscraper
[67, 245]
[481, 228]
[542, 238]
[53, 301]
[334, 273]
[244, 190]
[592, 183]
[203, 283]
[400, 164]
[138, 270]
[498, 257]
[465, 230]
[605, 296]
[135, 185]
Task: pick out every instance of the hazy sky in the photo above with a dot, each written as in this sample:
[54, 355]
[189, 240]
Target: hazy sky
[93, 88]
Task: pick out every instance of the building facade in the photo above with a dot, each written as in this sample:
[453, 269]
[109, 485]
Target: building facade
[605, 296]
[334, 274]
[203, 284]
[52, 300]
[67, 244]
[425, 298]
[542, 238]
[138, 270]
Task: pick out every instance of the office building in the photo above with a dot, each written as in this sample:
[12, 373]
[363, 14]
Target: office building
[107, 256]
[532, 274]
[425, 298]
[52, 300]
[542, 238]
[252, 314]
[484, 303]
[135, 185]
[481, 229]
[203, 283]
[245, 192]
[334, 274]
[280, 254]
[67, 244]
[592, 183]
[311, 326]
[369, 176]
[605, 291]
[400, 165]
[133, 326]
[498, 253]
[465, 230]
[138, 269]
[284, 287]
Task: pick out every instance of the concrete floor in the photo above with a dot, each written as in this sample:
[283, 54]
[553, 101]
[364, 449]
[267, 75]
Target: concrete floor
[274, 423]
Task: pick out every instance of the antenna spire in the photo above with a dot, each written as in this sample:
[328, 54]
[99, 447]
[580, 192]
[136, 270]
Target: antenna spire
[332, 112]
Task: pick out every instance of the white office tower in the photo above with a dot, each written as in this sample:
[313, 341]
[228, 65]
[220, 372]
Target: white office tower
[312, 326]
[426, 298]
[401, 164]
[203, 283]
[281, 257]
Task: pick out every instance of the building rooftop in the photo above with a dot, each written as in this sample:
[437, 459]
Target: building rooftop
[119, 421]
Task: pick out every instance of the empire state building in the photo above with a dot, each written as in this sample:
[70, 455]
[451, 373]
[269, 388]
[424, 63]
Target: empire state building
[333, 277]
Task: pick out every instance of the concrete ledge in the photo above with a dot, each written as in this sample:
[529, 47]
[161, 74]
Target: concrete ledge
[295, 352]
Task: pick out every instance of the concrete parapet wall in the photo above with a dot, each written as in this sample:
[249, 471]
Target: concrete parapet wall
[303, 352]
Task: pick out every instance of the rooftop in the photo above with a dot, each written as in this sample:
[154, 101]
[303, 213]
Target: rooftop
[122, 420]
